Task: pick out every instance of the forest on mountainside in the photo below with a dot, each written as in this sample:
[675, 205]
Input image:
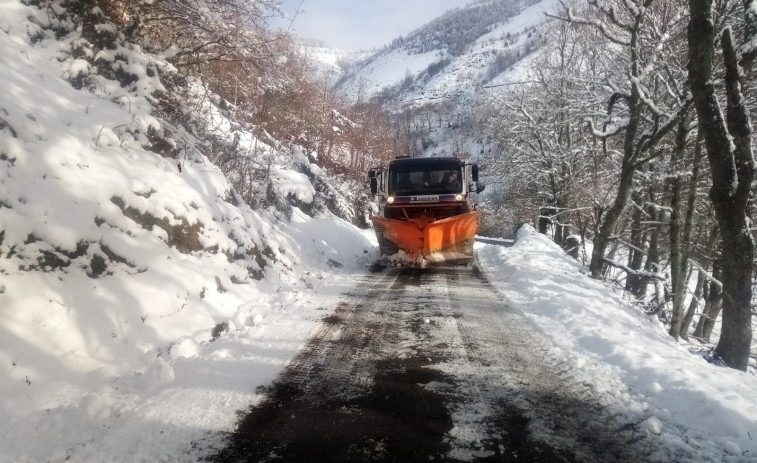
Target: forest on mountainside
[456, 30]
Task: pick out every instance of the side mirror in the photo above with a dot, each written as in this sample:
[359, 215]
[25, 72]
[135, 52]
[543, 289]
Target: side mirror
[474, 172]
[480, 188]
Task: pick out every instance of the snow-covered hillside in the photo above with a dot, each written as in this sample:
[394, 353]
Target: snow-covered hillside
[413, 75]
[442, 75]
[329, 63]
[119, 267]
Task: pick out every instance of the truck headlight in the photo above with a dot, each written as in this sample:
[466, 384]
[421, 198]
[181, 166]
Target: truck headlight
[390, 200]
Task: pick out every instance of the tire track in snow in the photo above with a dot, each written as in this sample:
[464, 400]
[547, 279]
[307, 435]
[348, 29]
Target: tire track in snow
[427, 365]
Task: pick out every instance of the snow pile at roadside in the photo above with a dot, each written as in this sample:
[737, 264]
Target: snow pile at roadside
[142, 301]
[684, 397]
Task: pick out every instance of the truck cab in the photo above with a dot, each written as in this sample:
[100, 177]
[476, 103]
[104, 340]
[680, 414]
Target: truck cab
[439, 187]
[427, 208]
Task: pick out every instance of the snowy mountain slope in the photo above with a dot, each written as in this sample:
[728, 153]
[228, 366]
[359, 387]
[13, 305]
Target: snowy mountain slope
[442, 75]
[386, 69]
[489, 57]
[424, 66]
[329, 63]
[119, 267]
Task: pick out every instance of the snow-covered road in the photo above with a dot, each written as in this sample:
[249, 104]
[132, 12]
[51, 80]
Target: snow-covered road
[427, 364]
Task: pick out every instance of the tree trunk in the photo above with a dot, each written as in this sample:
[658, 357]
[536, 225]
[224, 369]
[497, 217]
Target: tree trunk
[603, 238]
[728, 145]
[699, 329]
[677, 264]
[560, 233]
[680, 229]
[693, 305]
[638, 237]
[560, 219]
[713, 305]
[571, 246]
[546, 213]
[543, 221]
[628, 166]
[711, 289]
[653, 252]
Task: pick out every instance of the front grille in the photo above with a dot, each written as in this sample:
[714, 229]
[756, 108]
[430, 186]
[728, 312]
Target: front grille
[436, 211]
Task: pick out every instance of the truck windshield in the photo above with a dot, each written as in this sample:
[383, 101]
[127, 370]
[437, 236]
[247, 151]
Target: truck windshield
[425, 182]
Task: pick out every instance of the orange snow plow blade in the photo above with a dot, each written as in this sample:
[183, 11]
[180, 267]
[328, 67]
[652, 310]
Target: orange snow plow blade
[448, 240]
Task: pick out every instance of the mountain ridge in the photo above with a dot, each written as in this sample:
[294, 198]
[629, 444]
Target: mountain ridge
[441, 57]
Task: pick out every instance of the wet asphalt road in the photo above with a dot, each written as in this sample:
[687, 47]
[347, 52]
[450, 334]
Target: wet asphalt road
[421, 365]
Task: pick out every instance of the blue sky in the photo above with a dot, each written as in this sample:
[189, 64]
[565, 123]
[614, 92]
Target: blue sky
[363, 24]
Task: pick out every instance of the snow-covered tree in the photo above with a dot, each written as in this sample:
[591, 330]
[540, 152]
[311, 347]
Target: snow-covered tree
[728, 141]
[542, 140]
[646, 100]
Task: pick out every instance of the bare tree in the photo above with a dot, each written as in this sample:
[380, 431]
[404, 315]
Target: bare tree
[729, 150]
[545, 148]
[642, 31]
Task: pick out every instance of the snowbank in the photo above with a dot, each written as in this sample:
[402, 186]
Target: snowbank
[625, 353]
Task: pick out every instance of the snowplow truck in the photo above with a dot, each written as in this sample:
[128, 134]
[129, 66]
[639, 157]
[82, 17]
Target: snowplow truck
[427, 210]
